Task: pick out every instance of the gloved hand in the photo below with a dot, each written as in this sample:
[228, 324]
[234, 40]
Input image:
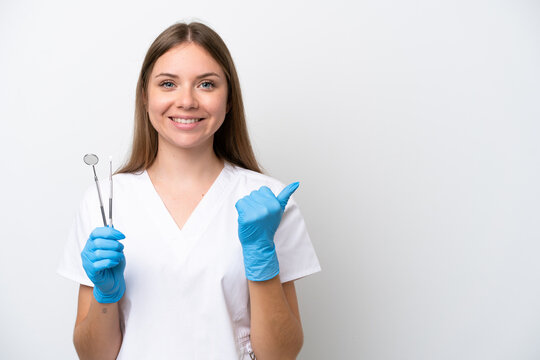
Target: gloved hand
[259, 215]
[104, 262]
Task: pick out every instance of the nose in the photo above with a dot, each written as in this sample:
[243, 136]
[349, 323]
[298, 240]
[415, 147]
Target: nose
[186, 99]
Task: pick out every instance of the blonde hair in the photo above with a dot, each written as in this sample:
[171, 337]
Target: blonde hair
[231, 140]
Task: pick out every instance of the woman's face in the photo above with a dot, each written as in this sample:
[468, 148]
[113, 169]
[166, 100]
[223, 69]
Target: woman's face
[186, 97]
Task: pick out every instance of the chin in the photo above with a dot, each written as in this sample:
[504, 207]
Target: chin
[191, 145]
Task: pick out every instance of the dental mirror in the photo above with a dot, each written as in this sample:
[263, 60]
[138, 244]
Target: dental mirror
[92, 159]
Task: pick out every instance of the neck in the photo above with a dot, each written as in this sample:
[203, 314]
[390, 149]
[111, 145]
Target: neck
[175, 165]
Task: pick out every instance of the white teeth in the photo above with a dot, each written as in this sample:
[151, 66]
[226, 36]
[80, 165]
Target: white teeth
[185, 121]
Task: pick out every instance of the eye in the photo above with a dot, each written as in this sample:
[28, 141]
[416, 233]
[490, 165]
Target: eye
[167, 84]
[207, 85]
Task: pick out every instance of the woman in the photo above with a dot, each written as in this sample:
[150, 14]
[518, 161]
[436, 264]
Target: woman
[202, 260]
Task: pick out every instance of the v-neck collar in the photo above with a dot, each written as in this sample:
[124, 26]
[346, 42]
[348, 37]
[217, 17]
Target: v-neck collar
[198, 220]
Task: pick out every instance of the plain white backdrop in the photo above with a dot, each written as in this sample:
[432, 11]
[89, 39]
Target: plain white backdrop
[412, 126]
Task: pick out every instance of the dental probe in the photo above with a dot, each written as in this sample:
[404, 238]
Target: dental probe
[110, 193]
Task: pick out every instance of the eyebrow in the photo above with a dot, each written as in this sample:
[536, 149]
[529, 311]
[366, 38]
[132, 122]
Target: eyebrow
[198, 77]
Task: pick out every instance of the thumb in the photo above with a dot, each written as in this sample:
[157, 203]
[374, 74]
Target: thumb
[286, 193]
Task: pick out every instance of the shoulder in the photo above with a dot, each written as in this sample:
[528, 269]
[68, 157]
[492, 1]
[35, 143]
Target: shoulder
[128, 178]
[121, 182]
[252, 180]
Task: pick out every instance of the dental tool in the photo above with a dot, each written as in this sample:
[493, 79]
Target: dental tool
[110, 192]
[92, 159]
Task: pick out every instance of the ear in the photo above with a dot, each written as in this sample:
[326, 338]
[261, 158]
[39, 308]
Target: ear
[145, 100]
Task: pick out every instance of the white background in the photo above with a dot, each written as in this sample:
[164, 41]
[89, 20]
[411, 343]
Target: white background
[413, 127]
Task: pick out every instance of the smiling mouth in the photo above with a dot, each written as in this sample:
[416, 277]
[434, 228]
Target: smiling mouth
[186, 121]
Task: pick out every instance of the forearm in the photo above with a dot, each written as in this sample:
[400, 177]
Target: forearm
[276, 333]
[98, 336]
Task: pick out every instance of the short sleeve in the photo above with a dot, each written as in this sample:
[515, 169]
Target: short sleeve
[85, 221]
[296, 255]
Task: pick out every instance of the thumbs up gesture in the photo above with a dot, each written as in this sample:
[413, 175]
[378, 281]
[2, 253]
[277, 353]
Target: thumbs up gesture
[259, 215]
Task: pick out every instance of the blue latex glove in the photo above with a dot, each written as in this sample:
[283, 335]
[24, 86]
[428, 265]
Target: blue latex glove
[104, 262]
[259, 215]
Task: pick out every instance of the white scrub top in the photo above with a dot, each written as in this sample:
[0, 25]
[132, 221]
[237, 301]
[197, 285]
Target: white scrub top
[186, 291]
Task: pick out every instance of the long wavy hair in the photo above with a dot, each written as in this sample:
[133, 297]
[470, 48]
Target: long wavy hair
[231, 140]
